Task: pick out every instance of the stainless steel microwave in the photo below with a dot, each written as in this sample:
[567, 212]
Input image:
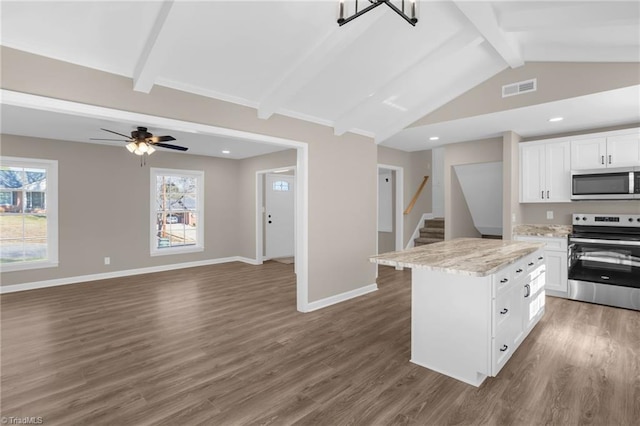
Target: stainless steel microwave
[606, 184]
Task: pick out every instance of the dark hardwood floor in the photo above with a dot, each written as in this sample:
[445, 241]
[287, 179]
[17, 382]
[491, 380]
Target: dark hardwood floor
[224, 345]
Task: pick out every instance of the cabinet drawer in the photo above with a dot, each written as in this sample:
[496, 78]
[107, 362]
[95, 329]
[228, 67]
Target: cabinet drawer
[503, 347]
[502, 280]
[504, 311]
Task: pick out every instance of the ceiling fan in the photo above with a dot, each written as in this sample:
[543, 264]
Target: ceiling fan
[142, 142]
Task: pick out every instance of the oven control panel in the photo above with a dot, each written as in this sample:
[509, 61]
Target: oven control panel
[590, 219]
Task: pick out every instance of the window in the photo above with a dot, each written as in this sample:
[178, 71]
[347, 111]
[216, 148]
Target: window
[28, 213]
[281, 185]
[177, 219]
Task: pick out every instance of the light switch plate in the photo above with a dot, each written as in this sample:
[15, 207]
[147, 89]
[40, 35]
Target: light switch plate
[549, 214]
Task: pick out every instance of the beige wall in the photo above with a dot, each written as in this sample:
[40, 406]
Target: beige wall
[415, 166]
[104, 207]
[511, 207]
[342, 223]
[458, 222]
[556, 81]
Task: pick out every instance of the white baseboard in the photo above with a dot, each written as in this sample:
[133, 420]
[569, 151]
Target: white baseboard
[332, 300]
[117, 274]
[416, 232]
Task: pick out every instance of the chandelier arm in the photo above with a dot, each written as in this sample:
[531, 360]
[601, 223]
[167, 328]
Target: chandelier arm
[341, 22]
[412, 21]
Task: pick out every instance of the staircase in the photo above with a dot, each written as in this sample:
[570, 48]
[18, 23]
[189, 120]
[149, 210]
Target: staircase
[432, 232]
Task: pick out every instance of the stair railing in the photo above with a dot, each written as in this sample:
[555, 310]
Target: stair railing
[416, 195]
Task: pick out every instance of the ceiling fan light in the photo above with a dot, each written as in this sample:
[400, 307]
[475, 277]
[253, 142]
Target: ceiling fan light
[132, 146]
[138, 152]
[150, 150]
[143, 147]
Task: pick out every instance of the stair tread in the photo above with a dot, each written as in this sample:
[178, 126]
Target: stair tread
[434, 230]
[428, 240]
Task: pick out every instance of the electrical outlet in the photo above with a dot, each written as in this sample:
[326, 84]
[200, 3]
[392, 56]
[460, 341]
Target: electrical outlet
[513, 218]
[107, 261]
[549, 214]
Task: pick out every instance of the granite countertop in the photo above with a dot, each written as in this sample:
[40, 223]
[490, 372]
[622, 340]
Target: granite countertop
[557, 231]
[467, 256]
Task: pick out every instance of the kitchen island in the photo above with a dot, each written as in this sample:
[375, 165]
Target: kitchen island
[473, 302]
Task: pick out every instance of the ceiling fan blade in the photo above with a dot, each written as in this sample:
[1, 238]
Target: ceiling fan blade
[167, 145]
[156, 139]
[119, 140]
[119, 134]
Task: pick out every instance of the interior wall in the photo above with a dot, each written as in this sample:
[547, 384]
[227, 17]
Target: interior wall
[104, 207]
[458, 222]
[464, 226]
[246, 232]
[339, 203]
[555, 81]
[562, 212]
[415, 165]
[512, 210]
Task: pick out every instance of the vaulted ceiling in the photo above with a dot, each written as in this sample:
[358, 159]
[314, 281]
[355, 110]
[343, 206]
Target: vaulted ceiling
[375, 75]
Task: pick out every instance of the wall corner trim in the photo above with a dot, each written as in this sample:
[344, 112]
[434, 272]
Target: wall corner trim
[125, 273]
[332, 300]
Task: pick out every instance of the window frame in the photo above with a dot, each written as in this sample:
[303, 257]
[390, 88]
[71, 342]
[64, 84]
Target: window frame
[51, 197]
[199, 246]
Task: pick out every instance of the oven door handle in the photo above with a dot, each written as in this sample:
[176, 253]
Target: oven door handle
[607, 242]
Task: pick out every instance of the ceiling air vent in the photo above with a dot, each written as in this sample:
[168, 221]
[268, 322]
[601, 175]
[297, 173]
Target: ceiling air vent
[519, 88]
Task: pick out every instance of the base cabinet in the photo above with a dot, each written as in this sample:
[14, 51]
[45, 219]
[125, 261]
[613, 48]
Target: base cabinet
[556, 253]
[468, 327]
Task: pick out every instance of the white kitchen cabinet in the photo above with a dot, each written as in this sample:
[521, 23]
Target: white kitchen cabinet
[606, 152]
[545, 172]
[556, 255]
[623, 150]
[589, 154]
[468, 327]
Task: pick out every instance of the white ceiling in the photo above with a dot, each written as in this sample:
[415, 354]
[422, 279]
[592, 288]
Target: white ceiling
[375, 75]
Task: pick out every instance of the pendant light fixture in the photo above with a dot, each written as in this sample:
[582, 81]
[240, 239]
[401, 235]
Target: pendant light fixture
[409, 16]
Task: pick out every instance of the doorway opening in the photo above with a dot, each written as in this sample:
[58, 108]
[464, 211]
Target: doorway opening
[390, 202]
[275, 215]
[104, 114]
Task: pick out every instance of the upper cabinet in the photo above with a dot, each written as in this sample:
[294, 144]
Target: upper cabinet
[545, 172]
[604, 152]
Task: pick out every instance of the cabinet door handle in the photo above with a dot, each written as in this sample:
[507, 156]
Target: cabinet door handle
[504, 348]
[542, 194]
[504, 311]
[609, 159]
[504, 280]
[528, 287]
[547, 194]
[518, 271]
[602, 159]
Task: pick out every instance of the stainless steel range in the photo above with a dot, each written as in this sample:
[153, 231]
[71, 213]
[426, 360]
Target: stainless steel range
[604, 260]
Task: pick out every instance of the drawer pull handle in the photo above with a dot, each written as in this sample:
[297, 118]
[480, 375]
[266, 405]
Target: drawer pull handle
[540, 258]
[531, 264]
[504, 280]
[504, 311]
[518, 271]
[504, 348]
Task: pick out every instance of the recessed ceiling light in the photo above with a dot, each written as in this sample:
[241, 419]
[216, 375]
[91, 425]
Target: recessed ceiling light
[434, 138]
[554, 119]
[226, 152]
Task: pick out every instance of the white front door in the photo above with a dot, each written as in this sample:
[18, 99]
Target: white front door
[279, 216]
